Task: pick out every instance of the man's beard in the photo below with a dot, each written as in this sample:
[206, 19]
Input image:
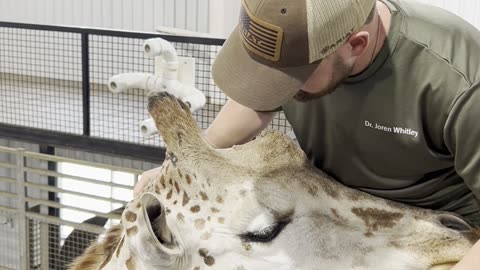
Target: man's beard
[341, 72]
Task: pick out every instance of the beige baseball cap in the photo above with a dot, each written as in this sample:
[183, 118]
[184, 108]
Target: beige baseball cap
[278, 44]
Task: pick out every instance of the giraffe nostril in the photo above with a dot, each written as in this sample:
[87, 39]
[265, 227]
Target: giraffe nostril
[154, 210]
[155, 215]
[454, 223]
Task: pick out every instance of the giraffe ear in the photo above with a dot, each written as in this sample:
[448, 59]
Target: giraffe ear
[154, 243]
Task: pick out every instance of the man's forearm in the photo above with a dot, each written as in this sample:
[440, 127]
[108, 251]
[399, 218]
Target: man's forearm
[471, 261]
[236, 124]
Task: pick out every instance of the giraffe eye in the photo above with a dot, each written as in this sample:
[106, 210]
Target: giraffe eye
[265, 235]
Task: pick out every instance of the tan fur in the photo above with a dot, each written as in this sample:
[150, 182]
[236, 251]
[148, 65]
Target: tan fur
[99, 253]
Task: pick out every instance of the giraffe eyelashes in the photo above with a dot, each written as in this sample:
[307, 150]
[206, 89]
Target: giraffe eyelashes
[265, 235]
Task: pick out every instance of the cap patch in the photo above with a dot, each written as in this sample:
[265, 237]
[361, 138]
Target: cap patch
[260, 37]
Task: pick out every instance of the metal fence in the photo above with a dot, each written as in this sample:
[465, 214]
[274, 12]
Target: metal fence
[33, 231]
[53, 87]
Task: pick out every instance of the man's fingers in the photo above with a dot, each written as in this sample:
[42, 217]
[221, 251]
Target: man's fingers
[145, 178]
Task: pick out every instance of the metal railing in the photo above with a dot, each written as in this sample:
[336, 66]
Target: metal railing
[31, 235]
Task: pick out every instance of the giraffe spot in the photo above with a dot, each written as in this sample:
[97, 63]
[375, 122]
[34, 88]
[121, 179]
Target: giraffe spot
[196, 268]
[186, 199]
[219, 199]
[214, 210]
[200, 224]
[162, 181]
[208, 260]
[339, 220]
[195, 209]
[120, 245]
[130, 216]
[206, 236]
[179, 173]
[170, 182]
[180, 217]
[175, 203]
[247, 246]
[221, 220]
[204, 196]
[132, 231]
[209, 218]
[375, 218]
[167, 168]
[138, 205]
[130, 263]
[169, 195]
[189, 179]
[157, 189]
[177, 187]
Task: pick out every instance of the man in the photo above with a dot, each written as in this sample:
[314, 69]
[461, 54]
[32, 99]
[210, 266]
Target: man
[382, 95]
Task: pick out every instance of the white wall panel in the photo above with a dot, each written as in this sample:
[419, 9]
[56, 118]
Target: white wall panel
[467, 9]
[138, 15]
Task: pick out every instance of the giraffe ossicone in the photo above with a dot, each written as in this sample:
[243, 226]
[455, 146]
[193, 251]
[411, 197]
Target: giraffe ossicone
[262, 205]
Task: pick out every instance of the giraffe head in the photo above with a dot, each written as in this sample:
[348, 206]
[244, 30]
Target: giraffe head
[263, 206]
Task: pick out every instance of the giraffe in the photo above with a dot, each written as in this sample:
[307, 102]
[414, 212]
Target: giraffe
[262, 205]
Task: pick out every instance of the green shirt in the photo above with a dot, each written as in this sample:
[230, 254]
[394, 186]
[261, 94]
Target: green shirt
[408, 127]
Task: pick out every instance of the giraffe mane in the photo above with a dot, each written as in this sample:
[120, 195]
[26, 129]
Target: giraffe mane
[100, 252]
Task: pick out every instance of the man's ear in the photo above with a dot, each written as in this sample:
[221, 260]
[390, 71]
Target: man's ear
[358, 43]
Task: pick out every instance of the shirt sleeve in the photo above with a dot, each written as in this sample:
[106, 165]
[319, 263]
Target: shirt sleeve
[462, 137]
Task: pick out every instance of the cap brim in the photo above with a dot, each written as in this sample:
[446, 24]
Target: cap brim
[252, 84]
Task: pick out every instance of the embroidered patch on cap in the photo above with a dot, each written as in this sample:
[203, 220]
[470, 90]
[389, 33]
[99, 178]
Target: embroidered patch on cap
[260, 37]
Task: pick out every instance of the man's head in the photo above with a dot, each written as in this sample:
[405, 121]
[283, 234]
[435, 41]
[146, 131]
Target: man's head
[281, 47]
[334, 69]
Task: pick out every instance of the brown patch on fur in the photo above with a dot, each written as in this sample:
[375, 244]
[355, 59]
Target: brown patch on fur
[132, 231]
[221, 220]
[177, 187]
[186, 199]
[169, 194]
[175, 202]
[339, 220]
[377, 218]
[208, 260]
[214, 210]
[247, 246]
[157, 189]
[130, 216]
[206, 236]
[119, 248]
[130, 264]
[99, 252]
[180, 217]
[219, 199]
[195, 209]
[189, 179]
[170, 182]
[162, 181]
[196, 268]
[138, 205]
[204, 196]
[200, 224]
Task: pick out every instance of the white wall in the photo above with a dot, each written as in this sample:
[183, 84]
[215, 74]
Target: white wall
[138, 15]
[217, 17]
[467, 9]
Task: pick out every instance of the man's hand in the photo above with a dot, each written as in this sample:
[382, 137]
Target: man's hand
[144, 180]
[471, 261]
